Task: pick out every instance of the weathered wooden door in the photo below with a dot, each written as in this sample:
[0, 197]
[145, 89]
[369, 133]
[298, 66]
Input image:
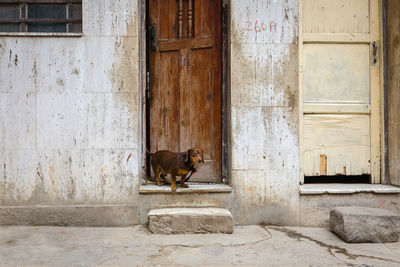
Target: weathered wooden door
[185, 80]
[340, 78]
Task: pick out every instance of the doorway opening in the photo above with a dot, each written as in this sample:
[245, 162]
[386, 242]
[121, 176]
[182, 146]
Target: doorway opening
[185, 99]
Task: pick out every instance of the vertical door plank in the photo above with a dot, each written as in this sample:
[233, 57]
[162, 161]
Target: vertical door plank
[184, 104]
[164, 116]
[163, 21]
[172, 19]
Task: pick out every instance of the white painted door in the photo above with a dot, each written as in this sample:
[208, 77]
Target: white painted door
[340, 84]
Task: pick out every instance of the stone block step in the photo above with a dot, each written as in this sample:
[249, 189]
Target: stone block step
[196, 196]
[365, 225]
[190, 221]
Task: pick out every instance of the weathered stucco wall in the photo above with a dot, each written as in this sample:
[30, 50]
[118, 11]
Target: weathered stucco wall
[264, 111]
[393, 57]
[69, 118]
[69, 115]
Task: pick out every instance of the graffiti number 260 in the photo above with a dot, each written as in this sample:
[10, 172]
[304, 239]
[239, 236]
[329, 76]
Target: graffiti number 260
[260, 26]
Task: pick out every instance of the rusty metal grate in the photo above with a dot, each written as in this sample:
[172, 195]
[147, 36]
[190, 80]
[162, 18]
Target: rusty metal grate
[41, 16]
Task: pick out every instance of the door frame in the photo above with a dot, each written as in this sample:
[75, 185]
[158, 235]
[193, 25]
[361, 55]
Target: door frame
[144, 90]
[377, 129]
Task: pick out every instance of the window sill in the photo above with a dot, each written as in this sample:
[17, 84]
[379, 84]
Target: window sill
[320, 189]
[40, 34]
[194, 188]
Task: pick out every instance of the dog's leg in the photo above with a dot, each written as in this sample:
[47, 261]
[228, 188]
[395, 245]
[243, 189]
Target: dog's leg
[173, 181]
[183, 185]
[163, 175]
[157, 172]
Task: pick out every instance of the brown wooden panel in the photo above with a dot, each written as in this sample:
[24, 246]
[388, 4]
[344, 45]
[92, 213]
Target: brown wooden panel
[205, 121]
[162, 18]
[172, 19]
[206, 17]
[207, 9]
[164, 115]
[185, 98]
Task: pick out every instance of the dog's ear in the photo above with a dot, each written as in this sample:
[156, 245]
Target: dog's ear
[202, 156]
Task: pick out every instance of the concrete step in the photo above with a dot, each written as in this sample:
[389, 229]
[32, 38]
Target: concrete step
[190, 221]
[365, 225]
[196, 196]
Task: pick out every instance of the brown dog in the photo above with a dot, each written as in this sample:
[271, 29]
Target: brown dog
[176, 164]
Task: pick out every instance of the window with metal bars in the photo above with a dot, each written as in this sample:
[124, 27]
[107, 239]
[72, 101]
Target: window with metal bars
[41, 16]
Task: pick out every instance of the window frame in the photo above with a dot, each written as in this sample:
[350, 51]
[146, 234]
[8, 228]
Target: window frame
[23, 20]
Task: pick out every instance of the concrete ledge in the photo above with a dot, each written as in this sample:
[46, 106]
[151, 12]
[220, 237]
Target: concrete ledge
[319, 189]
[79, 215]
[193, 188]
[190, 221]
[41, 34]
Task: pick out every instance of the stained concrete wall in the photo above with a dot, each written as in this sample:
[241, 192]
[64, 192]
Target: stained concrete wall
[264, 111]
[70, 115]
[393, 61]
[69, 118]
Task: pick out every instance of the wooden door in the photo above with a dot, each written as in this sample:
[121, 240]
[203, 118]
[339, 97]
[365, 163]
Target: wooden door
[185, 80]
[340, 80]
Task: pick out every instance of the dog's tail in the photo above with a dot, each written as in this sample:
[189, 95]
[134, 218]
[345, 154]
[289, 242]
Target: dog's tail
[148, 152]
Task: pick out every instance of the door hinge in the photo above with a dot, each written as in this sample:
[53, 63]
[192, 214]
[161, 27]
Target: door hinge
[374, 52]
[147, 85]
[153, 35]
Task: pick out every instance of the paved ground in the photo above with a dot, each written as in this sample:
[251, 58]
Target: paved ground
[248, 246]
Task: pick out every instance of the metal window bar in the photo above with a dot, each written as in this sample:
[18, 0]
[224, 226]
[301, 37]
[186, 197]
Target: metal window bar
[69, 6]
[22, 26]
[23, 18]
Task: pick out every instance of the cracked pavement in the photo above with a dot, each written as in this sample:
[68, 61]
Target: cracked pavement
[136, 246]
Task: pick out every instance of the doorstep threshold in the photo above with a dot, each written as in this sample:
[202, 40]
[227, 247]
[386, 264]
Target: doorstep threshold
[193, 188]
[319, 189]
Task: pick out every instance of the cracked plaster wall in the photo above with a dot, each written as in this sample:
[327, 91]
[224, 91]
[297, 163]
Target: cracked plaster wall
[264, 111]
[69, 112]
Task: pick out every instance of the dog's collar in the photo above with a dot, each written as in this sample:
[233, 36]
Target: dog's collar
[187, 162]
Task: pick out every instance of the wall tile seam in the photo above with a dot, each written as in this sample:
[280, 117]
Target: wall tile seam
[83, 36]
[12, 37]
[21, 93]
[19, 149]
[71, 149]
[68, 206]
[105, 36]
[84, 149]
[68, 149]
[264, 107]
[82, 92]
[263, 170]
[79, 38]
[74, 92]
[263, 43]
